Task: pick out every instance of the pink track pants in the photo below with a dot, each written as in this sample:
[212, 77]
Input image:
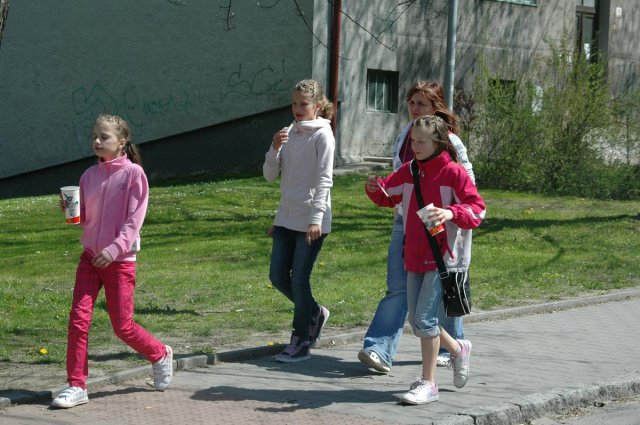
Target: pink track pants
[119, 281]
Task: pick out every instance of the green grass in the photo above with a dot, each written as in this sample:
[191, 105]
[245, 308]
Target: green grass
[203, 268]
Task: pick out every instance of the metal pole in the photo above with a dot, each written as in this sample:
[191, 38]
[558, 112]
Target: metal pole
[450, 70]
[335, 61]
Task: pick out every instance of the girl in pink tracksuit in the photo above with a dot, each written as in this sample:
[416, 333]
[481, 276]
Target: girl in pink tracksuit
[459, 207]
[113, 203]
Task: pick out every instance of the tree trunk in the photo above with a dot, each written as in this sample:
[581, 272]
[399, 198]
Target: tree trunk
[4, 11]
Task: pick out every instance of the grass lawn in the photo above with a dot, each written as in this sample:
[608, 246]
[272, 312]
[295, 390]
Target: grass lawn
[203, 268]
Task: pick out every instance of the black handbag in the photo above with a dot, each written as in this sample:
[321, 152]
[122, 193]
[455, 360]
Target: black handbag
[457, 291]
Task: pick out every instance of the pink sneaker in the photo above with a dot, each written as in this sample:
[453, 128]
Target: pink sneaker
[460, 364]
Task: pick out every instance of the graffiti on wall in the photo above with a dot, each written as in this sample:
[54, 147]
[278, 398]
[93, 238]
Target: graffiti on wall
[266, 81]
[88, 103]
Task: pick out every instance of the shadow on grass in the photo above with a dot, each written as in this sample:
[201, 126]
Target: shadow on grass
[164, 311]
[491, 225]
[496, 225]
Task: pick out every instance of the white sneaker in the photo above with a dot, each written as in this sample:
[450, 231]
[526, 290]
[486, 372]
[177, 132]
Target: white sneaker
[420, 392]
[443, 359]
[70, 397]
[460, 364]
[371, 358]
[163, 371]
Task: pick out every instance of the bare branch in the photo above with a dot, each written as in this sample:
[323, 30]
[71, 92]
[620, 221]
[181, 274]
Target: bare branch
[301, 14]
[4, 12]
[408, 4]
[356, 23]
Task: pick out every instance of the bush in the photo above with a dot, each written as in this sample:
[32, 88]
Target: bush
[555, 129]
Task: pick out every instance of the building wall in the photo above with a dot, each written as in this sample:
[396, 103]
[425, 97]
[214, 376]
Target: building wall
[507, 35]
[619, 40]
[204, 93]
[181, 73]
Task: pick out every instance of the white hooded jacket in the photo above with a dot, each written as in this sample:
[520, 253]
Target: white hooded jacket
[305, 166]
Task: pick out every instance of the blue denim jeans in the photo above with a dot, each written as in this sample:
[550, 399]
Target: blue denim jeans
[424, 297]
[387, 325]
[292, 260]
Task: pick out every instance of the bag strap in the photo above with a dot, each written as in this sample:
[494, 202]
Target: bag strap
[437, 255]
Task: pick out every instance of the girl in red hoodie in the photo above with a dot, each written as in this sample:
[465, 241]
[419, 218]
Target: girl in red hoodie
[113, 202]
[459, 207]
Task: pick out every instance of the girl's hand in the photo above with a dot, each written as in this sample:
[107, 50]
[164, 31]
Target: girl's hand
[314, 231]
[270, 231]
[102, 260]
[372, 184]
[280, 138]
[439, 216]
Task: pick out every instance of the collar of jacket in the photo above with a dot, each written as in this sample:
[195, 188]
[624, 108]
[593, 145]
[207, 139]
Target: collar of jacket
[114, 164]
[435, 163]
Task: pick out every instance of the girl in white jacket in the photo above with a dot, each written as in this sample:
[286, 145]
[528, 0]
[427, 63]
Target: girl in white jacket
[302, 154]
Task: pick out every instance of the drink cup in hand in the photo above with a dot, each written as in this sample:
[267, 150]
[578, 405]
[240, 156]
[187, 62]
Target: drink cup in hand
[71, 203]
[423, 213]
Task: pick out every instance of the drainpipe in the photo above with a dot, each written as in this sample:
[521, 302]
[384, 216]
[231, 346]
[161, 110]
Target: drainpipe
[450, 71]
[335, 61]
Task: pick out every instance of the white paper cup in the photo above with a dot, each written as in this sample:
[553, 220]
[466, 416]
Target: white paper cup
[71, 200]
[424, 214]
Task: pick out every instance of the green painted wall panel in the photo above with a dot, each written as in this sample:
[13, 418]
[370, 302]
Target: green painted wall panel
[167, 66]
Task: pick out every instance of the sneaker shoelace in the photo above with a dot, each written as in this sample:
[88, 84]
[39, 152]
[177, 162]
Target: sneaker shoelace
[456, 362]
[415, 386]
[292, 347]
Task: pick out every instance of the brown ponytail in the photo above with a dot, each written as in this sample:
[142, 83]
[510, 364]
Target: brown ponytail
[121, 128]
[314, 88]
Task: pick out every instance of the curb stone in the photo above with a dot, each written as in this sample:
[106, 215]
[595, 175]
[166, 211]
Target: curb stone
[555, 401]
[516, 411]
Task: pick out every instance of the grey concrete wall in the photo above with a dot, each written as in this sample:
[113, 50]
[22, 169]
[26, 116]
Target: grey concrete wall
[413, 42]
[168, 67]
[622, 41]
[509, 36]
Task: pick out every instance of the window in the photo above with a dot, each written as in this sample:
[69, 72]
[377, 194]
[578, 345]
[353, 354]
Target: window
[586, 26]
[382, 90]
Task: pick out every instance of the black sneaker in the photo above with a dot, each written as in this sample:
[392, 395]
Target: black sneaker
[297, 351]
[316, 328]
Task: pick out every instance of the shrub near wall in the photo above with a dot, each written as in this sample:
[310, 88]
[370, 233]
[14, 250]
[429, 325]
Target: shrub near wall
[545, 130]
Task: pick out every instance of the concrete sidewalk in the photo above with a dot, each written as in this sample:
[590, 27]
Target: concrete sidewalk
[557, 356]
